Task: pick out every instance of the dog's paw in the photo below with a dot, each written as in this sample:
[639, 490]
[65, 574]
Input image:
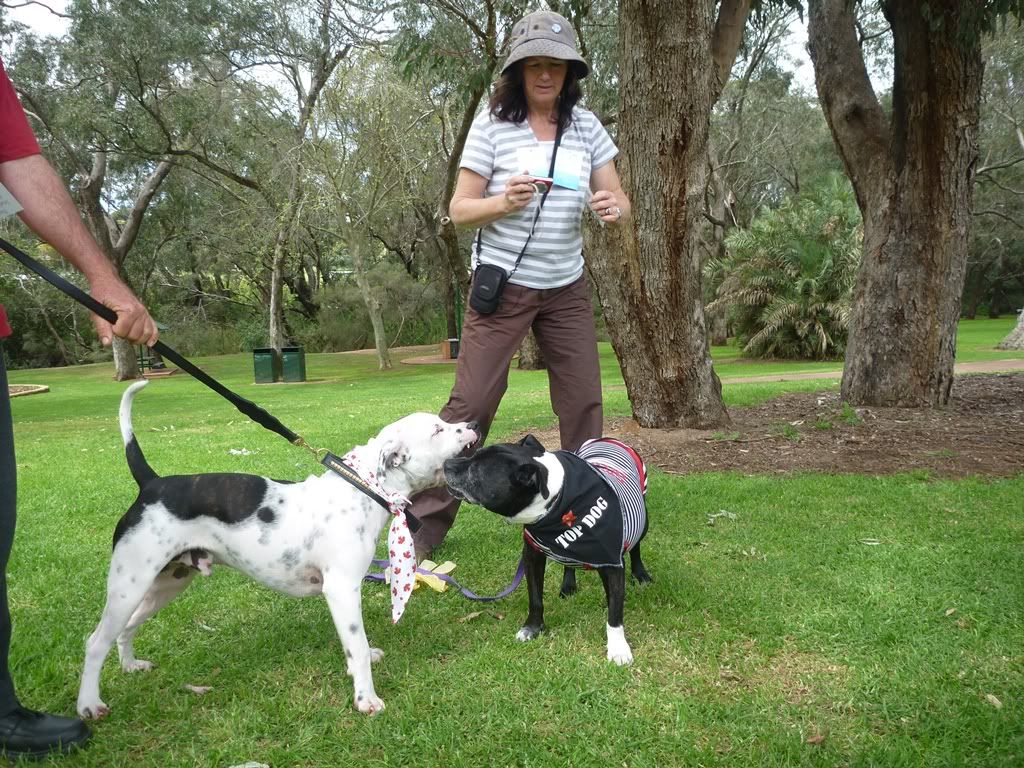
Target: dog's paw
[376, 654]
[93, 710]
[528, 633]
[137, 665]
[620, 658]
[369, 705]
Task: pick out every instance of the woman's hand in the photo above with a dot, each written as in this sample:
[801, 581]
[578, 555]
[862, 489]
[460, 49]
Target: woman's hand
[519, 191]
[607, 206]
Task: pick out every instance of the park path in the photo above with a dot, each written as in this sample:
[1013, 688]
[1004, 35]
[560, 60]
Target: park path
[980, 366]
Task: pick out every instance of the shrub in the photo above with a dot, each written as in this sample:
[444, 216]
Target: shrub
[788, 280]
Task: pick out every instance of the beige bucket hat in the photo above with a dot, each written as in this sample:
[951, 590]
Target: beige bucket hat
[544, 33]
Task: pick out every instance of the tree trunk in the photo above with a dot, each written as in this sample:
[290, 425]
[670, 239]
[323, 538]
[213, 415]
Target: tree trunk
[1015, 339]
[913, 178]
[126, 362]
[372, 301]
[647, 272]
[530, 356]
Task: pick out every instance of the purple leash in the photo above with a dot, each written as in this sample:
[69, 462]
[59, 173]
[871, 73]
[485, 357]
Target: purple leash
[520, 570]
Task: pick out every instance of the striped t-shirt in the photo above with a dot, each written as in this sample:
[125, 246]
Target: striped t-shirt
[554, 256]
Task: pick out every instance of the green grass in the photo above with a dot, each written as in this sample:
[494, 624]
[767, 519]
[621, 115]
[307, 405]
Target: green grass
[821, 609]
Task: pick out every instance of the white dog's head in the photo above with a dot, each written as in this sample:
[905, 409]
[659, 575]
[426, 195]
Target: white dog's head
[410, 453]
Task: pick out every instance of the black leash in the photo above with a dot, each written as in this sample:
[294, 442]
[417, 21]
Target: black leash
[247, 407]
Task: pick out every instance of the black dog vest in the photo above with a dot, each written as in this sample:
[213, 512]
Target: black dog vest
[600, 511]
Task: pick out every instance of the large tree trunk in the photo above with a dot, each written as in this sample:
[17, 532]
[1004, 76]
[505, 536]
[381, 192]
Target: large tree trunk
[913, 178]
[674, 60]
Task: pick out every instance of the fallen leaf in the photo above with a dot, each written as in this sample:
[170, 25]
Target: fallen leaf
[817, 738]
[206, 627]
[199, 689]
[950, 611]
[251, 764]
[870, 542]
[470, 616]
[993, 701]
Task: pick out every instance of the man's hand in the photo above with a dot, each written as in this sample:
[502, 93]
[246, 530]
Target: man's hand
[133, 320]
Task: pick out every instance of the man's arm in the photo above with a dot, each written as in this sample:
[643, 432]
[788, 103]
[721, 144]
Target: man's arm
[51, 214]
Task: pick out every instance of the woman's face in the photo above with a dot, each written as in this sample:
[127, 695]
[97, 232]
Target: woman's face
[542, 80]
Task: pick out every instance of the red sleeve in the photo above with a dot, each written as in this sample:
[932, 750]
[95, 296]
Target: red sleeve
[16, 137]
[5, 329]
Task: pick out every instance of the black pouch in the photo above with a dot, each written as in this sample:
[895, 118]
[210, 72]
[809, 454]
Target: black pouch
[488, 283]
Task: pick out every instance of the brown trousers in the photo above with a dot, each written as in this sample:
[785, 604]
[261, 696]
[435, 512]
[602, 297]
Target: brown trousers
[563, 322]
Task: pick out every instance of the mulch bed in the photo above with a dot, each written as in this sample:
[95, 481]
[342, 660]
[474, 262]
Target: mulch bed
[980, 432]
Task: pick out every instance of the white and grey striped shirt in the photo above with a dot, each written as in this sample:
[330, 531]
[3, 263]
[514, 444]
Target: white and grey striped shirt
[554, 257]
[626, 473]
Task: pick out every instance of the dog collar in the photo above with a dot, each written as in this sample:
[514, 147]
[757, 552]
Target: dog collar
[401, 553]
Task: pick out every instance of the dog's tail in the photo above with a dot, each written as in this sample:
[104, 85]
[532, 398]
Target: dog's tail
[141, 470]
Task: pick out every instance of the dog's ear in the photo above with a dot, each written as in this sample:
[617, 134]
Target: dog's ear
[393, 454]
[533, 475]
[532, 442]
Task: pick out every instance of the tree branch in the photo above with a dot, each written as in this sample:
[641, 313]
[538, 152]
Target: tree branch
[854, 116]
[726, 39]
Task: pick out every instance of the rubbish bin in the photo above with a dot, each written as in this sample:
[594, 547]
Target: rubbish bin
[267, 365]
[293, 363]
[453, 348]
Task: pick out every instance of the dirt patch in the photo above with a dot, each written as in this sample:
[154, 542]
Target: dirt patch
[980, 432]
[16, 390]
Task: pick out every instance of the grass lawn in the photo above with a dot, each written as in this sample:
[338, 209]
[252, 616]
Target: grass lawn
[836, 620]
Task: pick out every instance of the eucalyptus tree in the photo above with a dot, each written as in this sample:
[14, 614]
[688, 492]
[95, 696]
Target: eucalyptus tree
[913, 174]
[376, 156]
[452, 48]
[87, 92]
[675, 58]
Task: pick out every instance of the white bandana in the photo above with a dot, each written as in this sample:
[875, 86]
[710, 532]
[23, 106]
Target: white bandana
[400, 548]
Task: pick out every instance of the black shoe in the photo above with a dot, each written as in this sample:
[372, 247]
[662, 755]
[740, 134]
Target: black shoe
[24, 732]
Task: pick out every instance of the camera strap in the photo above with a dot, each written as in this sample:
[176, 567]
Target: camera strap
[536, 215]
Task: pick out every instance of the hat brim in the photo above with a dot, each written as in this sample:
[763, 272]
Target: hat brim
[549, 48]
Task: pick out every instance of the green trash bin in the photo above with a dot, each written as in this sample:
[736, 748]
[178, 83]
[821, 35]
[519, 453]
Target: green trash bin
[293, 363]
[267, 365]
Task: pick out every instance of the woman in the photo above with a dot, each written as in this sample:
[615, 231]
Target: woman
[508, 147]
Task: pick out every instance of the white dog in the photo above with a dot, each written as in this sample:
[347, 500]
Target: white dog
[307, 538]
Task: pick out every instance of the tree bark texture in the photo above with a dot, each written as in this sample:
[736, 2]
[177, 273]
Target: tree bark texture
[647, 272]
[530, 356]
[913, 176]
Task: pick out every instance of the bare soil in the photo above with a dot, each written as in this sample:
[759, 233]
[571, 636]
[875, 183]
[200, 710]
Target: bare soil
[980, 432]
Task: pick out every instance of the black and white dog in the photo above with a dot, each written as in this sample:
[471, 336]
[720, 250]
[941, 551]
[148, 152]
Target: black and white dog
[307, 538]
[582, 509]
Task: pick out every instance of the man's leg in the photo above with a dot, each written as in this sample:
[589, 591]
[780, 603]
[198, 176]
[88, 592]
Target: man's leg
[481, 376]
[565, 332]
[22, 731]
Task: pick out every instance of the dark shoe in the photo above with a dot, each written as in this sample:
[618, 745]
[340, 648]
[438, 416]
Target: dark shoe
[25, 733]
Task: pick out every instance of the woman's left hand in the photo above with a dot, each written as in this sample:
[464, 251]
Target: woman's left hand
[606, 206]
